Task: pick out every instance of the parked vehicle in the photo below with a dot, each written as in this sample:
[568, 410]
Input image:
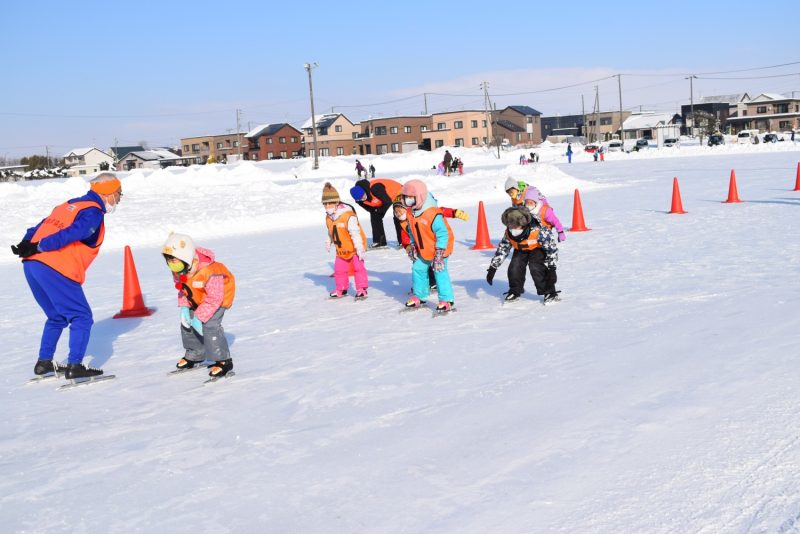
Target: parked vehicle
[615, 146]
[591, 148]
[672, 141]
[716, 139]
[747, 136]
[641, 144]
[772, 138]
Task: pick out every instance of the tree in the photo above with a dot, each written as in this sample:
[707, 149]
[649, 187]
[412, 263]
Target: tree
[104, 166]
[35, 162]
[706, 122]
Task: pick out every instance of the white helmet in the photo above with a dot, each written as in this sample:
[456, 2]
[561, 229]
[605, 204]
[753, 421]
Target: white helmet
[179, 246]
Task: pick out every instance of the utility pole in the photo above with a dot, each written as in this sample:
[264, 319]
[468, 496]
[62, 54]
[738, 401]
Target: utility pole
[691, 101]
[308, 67]
[47, 152]
[425, 98]
[597, 113]
[487, 108]
[619, 84]
[238, 136]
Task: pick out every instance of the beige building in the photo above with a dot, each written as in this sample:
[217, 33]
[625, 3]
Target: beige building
[389, 135]
[456, 128]
[768, 112]
[221, 147]
[518, 125]
[336, 136]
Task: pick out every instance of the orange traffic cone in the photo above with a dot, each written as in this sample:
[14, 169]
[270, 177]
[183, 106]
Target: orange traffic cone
[578, 225]
[733, 193]
[482, 241]
[677, 205]
[797, 180]
[132, 301]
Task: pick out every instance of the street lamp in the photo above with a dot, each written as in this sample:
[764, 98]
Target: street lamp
[308, 67]
[691, 103]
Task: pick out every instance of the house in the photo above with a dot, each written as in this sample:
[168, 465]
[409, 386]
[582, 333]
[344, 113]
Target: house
[391, 135]
[768, 112]
[602, 126]
[519, 124]
[719, 106]
[457, 128]
[336, 135]
[563, 125]
[158, 158]
[219, 147]
[119, 152]
[271, 141]
[82, 161]
[647, 124]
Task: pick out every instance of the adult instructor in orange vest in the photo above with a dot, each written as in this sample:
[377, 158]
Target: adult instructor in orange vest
[55, 255]
[376, 197]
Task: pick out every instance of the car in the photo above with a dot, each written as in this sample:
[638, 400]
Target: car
[591, 148]
[747, 136]
[716, 139]
[641, 144]
[672, 141]
[771, 138]
[615, 146]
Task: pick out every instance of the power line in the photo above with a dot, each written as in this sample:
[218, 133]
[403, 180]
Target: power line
[752, 77]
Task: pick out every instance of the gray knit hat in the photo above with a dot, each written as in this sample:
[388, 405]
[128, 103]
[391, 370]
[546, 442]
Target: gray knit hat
[516, 217]
[511, 183]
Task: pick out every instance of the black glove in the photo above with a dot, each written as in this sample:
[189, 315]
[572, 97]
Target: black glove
[25, 249]
[490, 274]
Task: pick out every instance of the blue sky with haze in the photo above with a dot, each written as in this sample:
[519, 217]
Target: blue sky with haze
[84, 73]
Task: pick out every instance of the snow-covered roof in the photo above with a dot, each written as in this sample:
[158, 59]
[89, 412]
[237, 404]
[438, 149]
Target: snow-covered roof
[510, 126]
[153, 155]
[643, 121]
[268, 129]
[725, 99]
[525, 110]
[323, 121]
[768, 96]
[78, 152]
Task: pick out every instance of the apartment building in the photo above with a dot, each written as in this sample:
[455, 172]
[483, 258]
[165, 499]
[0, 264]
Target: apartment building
[220, 147]
[457, 128]
[391, 135]
[768, 112]
[336, 136]
[274, 141]
[519, 125]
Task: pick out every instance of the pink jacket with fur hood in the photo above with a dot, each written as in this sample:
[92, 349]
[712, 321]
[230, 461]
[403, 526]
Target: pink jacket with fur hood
[215, 288]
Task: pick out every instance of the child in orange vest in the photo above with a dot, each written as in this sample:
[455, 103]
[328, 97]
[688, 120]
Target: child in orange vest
[206, 289]
[345, 232]
[522, 235]
[431, 244]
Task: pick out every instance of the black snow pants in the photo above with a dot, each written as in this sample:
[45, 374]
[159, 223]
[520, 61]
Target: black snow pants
[544, 277]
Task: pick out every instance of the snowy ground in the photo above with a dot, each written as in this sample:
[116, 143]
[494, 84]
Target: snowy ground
[659, 396]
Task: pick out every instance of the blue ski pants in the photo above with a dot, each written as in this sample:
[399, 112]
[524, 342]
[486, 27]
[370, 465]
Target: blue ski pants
[64, 304]
[419, 276]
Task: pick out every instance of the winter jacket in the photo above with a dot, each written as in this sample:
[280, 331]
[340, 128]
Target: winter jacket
[212, 286]
[438, 231]
[380, 194]
[355, 241]
[70, 237]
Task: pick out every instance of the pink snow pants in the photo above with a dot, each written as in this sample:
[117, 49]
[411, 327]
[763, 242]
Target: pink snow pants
[341, 269]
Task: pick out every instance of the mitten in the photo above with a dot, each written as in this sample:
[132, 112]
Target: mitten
[490, 274]
[186, 317]
[461, 214]
[562, 237]
[438, 260]
[411, 250]
[25, 249]
[197, 324]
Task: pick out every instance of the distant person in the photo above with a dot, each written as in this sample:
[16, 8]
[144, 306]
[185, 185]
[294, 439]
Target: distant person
[460, 167]
[534, 158]
[371, 170]
[55, 256]
[376, 197]
[448, 160]
[360, 169]
[569, 152]
[206, 289]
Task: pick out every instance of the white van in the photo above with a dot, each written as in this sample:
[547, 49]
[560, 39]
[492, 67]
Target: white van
[615, 146]
[747, 136]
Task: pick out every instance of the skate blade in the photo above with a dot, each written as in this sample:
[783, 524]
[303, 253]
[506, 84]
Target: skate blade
[42, 378]
[440, 313]
[217, 378]
[198, 367]
[75, 382]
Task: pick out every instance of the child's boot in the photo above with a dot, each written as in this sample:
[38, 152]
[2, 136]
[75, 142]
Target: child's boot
[338, 294]
[220, 368]
[444, 306]
[414, 302]
[183, 363]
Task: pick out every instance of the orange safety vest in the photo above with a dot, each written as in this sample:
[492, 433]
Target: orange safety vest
[392, 189]
[530, 243]
[72, 260]
[340, 236]
[424, 236]
[546, 225]
[197, 283]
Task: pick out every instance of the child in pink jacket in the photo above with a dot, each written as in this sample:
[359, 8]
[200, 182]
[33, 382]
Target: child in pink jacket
[551, 226]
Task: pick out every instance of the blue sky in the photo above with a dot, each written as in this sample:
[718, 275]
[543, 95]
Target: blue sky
[84, 73]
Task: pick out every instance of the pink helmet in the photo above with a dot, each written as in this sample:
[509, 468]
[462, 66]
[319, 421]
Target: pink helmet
[416, 189]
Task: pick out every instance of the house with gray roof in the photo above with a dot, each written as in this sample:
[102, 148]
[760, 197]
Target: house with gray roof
[274, 141]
